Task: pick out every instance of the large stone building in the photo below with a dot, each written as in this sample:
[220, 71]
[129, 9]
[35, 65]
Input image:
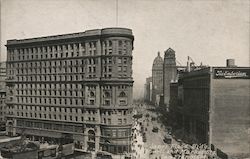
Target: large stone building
[169, 73]
[157, 79]
[213, 106]
[77, 86]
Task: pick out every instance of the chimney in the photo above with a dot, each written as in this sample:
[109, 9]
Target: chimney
[188, 65]
[231, 63]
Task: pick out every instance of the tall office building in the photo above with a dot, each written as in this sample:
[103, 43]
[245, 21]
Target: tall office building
[169, 73]
[157, 79]
[77, 86]
[214, 105]
[148, 90]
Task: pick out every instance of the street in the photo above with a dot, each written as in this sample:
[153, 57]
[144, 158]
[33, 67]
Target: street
[153, 147]
[148, 140]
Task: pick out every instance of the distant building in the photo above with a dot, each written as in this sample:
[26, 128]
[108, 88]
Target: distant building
[2, 109]
[157, 79]
[76, 85]
[2, 95]
[148, 90]
[169, 73]
[2, 75]
[213, 104]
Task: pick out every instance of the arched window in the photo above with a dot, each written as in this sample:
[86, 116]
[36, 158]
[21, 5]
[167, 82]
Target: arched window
[91, 135]
[92, 94]
[107, 94]
[122, 94]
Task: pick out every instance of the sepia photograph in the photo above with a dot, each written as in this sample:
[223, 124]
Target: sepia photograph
[124, 79]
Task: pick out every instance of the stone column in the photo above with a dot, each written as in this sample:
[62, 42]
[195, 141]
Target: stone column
[86, 95]
[85, 147]
[97, 138]
[97, 96]
[114, 99]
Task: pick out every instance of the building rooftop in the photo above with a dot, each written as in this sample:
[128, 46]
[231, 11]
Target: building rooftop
[87, 33]
[209, 70]
[158, 61]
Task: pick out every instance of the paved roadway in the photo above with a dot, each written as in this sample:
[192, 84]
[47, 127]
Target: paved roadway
[154, 147]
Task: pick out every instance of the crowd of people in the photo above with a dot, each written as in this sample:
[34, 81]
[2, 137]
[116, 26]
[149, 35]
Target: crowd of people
[176, 150]
[195, 151]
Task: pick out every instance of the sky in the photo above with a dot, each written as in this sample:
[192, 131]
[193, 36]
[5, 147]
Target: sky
[210, 31]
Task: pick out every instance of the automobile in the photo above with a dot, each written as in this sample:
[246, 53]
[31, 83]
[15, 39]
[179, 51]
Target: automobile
[144, 139]
[152, 151]
[169, 130]
[167, 139]
[155, 129]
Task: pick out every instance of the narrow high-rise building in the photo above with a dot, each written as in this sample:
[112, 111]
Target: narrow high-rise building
[76, 85]
[170, 73]
[148, 90]
[157, 79]
[2, 95]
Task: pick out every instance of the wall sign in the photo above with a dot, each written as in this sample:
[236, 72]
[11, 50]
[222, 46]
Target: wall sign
[235, 73]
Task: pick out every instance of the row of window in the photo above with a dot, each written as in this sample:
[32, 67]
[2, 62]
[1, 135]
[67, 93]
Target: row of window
[73, 110]
[66, 86]
[116, 132]
[64, 101]
[73, 77]
[52, 51]
[119, 121]
[60, 70]
[51, 93]
[68, 63]
[69, 50]
[60, 127]
[69, 92]
[56, 117]
[55, 101]
[56, 109]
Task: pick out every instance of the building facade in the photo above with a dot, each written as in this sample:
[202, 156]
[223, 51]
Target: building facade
[169, 74]
[2, 95]
[77, 86]
[2, 109]
[215, 107]
[148, 90]
[2, 75]
[157, 79]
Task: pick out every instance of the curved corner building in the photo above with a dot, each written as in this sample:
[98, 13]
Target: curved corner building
[76, 86]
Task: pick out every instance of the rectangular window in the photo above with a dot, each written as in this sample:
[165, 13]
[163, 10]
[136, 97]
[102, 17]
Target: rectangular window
[125, 69]
[109, 121]
[119, 60]
[125, 121]
[92, 102]
[114, 133]
[119, 68]
[119, 121]
[122, 102]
